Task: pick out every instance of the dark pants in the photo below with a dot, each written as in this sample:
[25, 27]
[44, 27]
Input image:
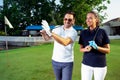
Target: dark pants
[63, 71]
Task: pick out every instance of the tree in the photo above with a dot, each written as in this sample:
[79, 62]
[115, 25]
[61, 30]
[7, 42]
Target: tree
[1, 19]
[22, 13]
[81, 7]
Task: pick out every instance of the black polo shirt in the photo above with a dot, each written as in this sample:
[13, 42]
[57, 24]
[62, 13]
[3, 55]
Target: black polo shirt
[94, 58]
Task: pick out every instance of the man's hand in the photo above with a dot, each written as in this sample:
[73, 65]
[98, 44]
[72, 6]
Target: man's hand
[46, 27]
[93, 44]
[44, 35]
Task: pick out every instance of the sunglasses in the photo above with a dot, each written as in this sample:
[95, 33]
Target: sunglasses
[65, 19]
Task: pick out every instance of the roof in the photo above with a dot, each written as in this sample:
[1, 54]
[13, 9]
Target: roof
[39, 27]
[113, 23]
[76, 27]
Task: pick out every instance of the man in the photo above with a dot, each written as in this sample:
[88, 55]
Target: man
[64, 38]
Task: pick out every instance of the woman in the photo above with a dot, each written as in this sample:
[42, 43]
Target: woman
[94, 43]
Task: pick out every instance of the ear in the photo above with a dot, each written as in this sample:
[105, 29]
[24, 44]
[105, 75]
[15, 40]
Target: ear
[73, 22]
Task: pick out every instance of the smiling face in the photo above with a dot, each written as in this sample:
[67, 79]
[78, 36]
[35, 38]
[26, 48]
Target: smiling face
[68, 20]
[92, 20]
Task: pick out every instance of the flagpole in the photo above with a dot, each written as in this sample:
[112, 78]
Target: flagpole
[6, 42]
[6, 47]
[7, 22]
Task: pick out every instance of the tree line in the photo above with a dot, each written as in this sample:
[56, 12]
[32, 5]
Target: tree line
[22, 13]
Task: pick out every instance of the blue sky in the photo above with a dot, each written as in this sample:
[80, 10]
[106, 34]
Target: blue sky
[1, 2]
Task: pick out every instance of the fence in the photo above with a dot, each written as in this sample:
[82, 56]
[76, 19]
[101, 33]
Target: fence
[25, 41]
[18, 41]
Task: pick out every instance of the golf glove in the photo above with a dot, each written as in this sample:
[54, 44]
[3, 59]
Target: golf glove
[93, 44]
[46, 27]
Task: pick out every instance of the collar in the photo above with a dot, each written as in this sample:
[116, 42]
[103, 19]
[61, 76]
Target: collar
[70, 28]
[93, 29]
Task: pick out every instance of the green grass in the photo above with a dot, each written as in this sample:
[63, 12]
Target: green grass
[113, 61]
[34, 63]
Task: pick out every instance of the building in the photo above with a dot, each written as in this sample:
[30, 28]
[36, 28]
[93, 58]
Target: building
[112, 27]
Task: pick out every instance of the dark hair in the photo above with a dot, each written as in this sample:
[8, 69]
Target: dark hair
[97, 17]
[70, 12]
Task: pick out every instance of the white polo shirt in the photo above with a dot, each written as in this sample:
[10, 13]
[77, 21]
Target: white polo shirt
[64, 53]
